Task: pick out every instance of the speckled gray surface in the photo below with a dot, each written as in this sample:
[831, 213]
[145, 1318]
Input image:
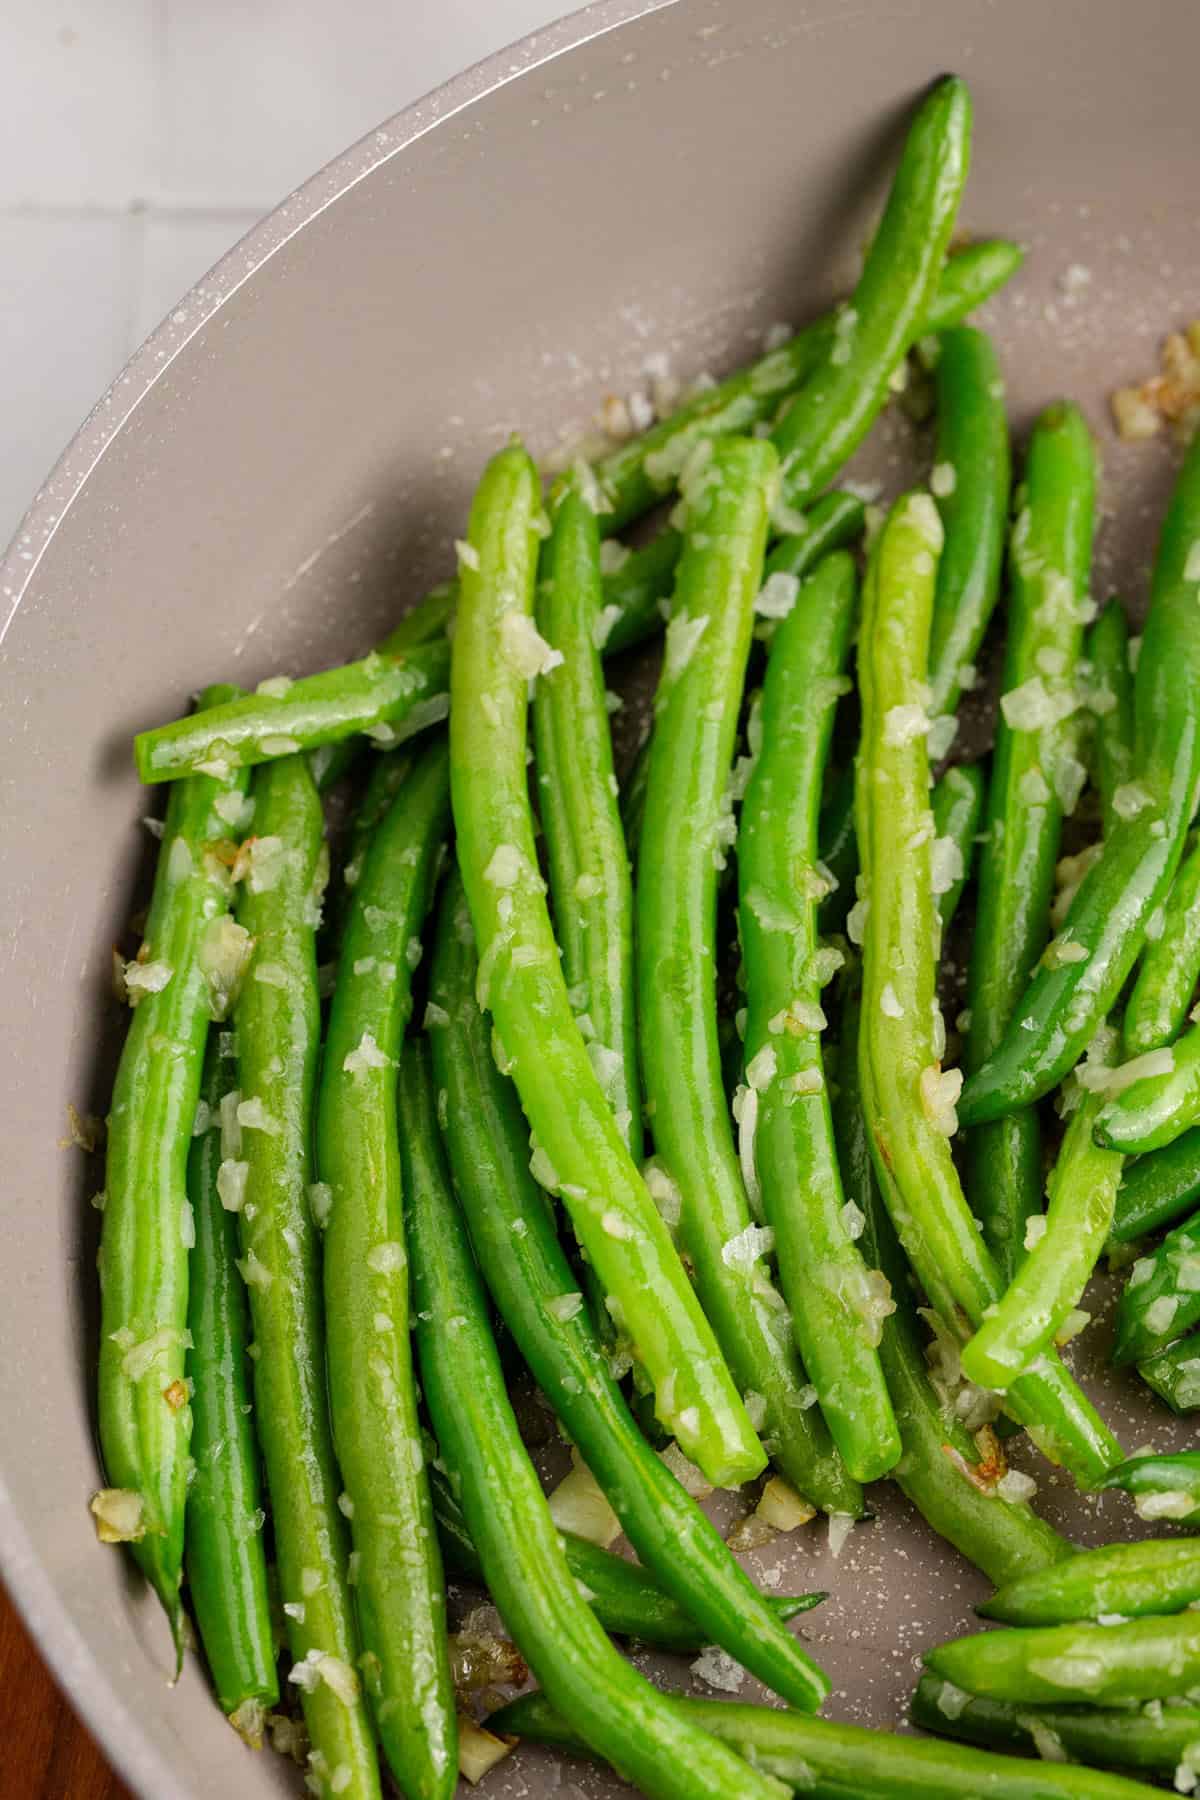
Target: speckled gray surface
[286, 463]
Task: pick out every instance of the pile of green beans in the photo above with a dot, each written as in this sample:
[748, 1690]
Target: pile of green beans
[707, 1223]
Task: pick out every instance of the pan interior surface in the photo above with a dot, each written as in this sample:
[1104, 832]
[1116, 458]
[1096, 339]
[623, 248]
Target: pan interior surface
[285, 466]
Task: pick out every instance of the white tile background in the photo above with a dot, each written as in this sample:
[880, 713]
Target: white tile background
[140, 138]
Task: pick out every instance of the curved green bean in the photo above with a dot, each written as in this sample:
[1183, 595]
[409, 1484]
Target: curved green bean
[1130, 1579]
[972, 470]
[1158, 1108]
[267, 1177]
[1151, 1741]
[827, 1761]
[1172, 1480]
[496, 650]
[833, 411]
[1032, 764]
[591, 890]
[1145, 1659]
[145, 1418]
[957, 806]
[1081, 1194]
[638, 474]
[619, 1714]
[399, 1591]
[907, 1099]
[686, 833]
[1004, 1538]
[531, 1282]
[1174, 1374]
[390, 697]
[833, 1301]
[1064, 1003]
[1155, 1189]
[1161, 1297]
[1166, 981]
[1111, 700]
[226, 1564]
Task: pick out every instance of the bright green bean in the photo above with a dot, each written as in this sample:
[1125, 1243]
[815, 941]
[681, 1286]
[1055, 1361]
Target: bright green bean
[267, 1177]
[1156, 1189]
[1166, 981]
[514, 1236]
[1174, 1374]
[957, 805]
[1152, 1111]
[1163, 1487]
[970, 484]
[826, 1761]
[1111, 696]
[908, 1101]
[226, 1565]
[1151, 1740]
[399, 1592]
[834, 410]
[145, 1419]
[833, 1299]
[1065, 1001]
[1146, 1659]
[1131, 1579]
[1034, 771]
[617, 1711]
[591, 891]
[1161, 1297]
[496, 650]
[686, 834]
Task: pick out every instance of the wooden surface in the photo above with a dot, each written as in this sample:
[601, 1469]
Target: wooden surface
[47, 1753]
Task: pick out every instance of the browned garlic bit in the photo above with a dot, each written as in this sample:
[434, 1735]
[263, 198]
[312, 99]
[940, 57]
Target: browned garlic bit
[1171, 397]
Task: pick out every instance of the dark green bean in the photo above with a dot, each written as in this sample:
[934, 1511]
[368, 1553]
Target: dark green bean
[226, 1565]
[1065, 1002]
[399, 1591]
[957, 804]
[686, 834]
[1151, 1739]
[267, 1177]
[1110, 684]
[531, 1281]
[619, 1714]
[1161, 1297]
[1156, 1189]
[825, 1761]
[1174, 1374]
[180, 973]
[1130, 1579]
[1166, 982]
[833, 1300]
[1145, 1659]
[1164, 1487]
[833, 411]
[1031, 773]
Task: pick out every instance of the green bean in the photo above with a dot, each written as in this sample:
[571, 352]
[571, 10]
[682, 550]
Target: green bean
[834, 410]
[637, 589]
[145, 1419]
[633, 799]
[957, 804]
[686, 832]
[636, 476]
[826, 1761]
[839, 851]
[1159, 1106]
[1111, 683]
[1166, 982]
[618, 1712]
[1146, 1659]
[1081, 1193]
[1032, 770]
[399, 1592]
[1174, 1374]
[226, 1565]
[389, 697]
[830, 524]
[1131, 1579]
[1156, 1189]
[513, 1233]
[590, 886]
[421, 624]
[833, 1301]
[1152, 1740]
[970, 484]
[268, 1177]
[521, 983]
[1065, 1002]
[1161, 1297]
[1004, 1538]
[626, 1599]
[1164, 1487]
[908, 1101]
